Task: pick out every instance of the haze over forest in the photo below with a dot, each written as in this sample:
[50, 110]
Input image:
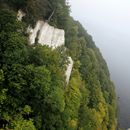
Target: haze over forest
[53, 76]
[108, 21]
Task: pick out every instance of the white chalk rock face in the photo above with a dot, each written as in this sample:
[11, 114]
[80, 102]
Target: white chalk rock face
[34, 32]
[20, 15]
[46, 35]
[69, 69]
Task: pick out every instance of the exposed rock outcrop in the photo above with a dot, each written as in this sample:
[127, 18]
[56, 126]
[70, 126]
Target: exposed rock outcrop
[53, 37]
[20, 15]
[46, 35]
[69, 69]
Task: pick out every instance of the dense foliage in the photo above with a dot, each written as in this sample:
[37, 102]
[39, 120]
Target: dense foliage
[33, 91]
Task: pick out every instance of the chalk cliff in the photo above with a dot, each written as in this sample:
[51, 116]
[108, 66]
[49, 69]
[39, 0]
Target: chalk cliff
[69, 69]
[46, 35]
[20, 15]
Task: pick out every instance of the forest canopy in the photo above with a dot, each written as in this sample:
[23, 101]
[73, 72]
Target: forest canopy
[33, 91]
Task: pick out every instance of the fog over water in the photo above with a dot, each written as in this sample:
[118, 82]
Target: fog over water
[108, 21]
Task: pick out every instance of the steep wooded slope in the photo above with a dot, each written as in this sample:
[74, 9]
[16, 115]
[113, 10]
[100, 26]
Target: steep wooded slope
[33, 91]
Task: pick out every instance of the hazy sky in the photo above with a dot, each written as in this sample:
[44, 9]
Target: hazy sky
[109, 14]
[108, 21]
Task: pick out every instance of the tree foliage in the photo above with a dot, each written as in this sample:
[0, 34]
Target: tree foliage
[33, 91]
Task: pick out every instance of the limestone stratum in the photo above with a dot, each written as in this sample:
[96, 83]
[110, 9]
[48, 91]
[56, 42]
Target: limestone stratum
[46, 35]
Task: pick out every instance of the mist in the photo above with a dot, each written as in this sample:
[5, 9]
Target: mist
[108, 21]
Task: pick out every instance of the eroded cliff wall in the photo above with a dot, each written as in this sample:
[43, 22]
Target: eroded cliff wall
[46, 35]
[69, 69]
